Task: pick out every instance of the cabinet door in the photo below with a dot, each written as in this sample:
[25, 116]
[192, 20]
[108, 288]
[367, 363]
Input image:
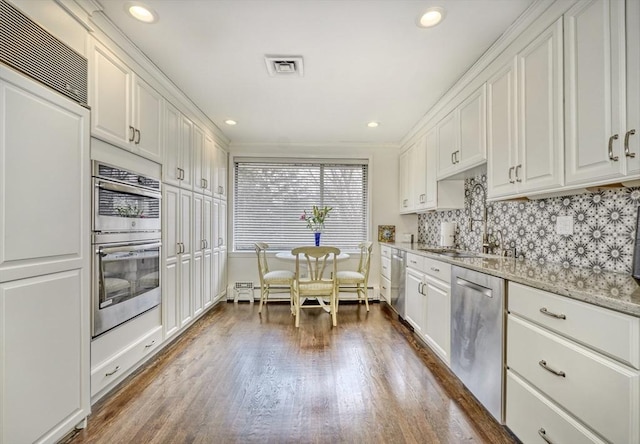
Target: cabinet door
[198, 204]
[170, 298]
[207, 278]
[594, 91]
[632, 134]
[197, 145]
[186, 210]
[207, 223]
[448, 144]
[187, 155]
[185, 272]
[222, 272]
[44, 338]
[171, 223]
[110, 96]
[472, 147]
[540, 117]
[171, 170]
[215, 242]
[222, 222]
[197, 282]
[501, 120]
[437, 324]
[431, 179]
[418, 174]
[404, 177]
[215, 288]
[207, 164]
[221, 173]
[147, 120]
[414, 313]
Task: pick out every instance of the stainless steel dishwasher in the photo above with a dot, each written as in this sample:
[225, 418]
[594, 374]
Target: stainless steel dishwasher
[398, 270]
[477, 336]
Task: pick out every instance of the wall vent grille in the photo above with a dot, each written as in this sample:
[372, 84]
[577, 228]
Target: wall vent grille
[284, 65]
[29, 48]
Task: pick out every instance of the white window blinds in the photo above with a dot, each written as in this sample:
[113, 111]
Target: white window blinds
[270, 197]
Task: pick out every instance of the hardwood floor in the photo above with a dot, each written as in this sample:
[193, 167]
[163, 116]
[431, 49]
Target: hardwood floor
[236, 377]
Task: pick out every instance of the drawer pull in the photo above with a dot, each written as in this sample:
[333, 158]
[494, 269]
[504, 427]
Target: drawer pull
[437, 270]
[544, 311]
[384, 288]
[543, 434]
[113, 372]
[151, 344]
[543, 364]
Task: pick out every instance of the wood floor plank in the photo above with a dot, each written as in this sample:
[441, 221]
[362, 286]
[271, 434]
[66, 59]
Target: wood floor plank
[239, 377]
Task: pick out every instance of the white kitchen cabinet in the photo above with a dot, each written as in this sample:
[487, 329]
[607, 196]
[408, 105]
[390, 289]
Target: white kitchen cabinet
[125, 110]
[207, 169]
[595, 91]
[405, 177]
[440, 194]
[44, 261]
[207, 252]
[178, 258]
[198, 255]
[573, 370]
[222, 249]
[202, 149]
[418, 165]
[631, 139]
[525, 120]
[178, 150]
[415, 300]
[220, 173]
[462, 133]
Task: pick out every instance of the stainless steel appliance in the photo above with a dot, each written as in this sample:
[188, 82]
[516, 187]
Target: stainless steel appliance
[398, 269]
[477, 336]
[126, 242]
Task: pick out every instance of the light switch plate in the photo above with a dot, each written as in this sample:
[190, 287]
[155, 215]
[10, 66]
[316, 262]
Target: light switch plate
[564, 225]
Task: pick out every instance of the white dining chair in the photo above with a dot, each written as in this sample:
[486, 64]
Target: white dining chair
[272, 281]
[357, 281]
[315, 282]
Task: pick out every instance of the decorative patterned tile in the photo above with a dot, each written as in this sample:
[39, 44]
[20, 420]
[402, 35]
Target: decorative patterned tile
[604, 226]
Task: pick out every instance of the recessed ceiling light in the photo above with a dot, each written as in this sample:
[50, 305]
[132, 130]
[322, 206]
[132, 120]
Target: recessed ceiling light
[373, 124]
[431, 17]
[142, 12]
[230, 122]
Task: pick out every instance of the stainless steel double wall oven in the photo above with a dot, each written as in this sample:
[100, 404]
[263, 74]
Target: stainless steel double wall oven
[126, 242]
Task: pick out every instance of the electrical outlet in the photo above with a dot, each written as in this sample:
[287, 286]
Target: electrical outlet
[564, 225]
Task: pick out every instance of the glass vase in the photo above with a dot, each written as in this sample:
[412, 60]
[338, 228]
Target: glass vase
[317, 234]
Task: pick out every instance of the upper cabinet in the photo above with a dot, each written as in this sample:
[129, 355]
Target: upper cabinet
[220, 173]
[631, 139]
[595, 91]
[525, 119]
[462, 136]
[125, 110]
[405, 176]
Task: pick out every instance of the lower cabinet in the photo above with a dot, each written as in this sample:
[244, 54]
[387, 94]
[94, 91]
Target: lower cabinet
[428, 297]
[44, 343]
[563, 381]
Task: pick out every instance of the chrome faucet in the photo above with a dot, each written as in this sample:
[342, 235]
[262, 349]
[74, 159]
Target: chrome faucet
[485, 241]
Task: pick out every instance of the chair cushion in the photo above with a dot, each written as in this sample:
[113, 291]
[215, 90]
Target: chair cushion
[279, 277]
[315, 286]
[349, 277]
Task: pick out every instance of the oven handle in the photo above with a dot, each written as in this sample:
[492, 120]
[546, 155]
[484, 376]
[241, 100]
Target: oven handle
[125, 248]
[128, 189]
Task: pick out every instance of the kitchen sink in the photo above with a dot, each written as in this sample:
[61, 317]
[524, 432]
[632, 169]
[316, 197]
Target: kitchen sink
[451, 253]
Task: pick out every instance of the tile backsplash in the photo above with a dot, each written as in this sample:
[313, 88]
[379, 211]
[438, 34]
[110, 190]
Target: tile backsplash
[603, 226]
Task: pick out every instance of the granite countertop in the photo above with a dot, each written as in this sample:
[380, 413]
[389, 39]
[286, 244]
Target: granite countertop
[616, 291]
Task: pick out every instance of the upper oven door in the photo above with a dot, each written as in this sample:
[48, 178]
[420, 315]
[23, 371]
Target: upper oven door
[119, 207]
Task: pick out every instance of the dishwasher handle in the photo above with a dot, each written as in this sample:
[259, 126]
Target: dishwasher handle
[479, 288]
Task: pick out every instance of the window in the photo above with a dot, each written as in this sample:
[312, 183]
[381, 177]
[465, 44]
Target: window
[270, 196]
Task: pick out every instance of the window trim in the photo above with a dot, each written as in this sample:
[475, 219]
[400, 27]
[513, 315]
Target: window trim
[355, 159]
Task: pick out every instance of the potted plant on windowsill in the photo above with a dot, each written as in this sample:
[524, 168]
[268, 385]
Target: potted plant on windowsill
[315, 220]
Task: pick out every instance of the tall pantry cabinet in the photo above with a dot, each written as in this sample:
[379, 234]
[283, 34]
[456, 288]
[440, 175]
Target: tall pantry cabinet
[44, 261]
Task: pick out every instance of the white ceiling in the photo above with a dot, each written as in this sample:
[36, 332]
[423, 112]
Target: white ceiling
[364, 60]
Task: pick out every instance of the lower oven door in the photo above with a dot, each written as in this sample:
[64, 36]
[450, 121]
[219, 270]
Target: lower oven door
[126, 283]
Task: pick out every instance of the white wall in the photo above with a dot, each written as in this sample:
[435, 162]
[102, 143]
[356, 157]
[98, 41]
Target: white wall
[383, 201]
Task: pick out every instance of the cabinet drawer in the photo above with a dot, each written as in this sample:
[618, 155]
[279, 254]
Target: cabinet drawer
[385, 267]
[415, 261]
[616, 334]
[385, 289]
[385, 251]
[437, 269]
[530, 415]
[120, 364]
[596, 390]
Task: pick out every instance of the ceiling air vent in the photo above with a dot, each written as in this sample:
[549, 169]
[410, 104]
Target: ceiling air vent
[284, 65]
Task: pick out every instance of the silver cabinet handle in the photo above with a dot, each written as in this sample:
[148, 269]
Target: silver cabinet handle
[384, 268]
[546, 312]
[206, 184]
[543, 434]
[437, 270]
[453, 162]
[384, 288]
[113, 372]
[422, 196]
[137, 136]
[220, 241]
[151, 344]
[544, 365]
[414, 262]
[404, 202]
[626, 143]
[611, 156]
[518, 168]
[132, 133]
[511, 171]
